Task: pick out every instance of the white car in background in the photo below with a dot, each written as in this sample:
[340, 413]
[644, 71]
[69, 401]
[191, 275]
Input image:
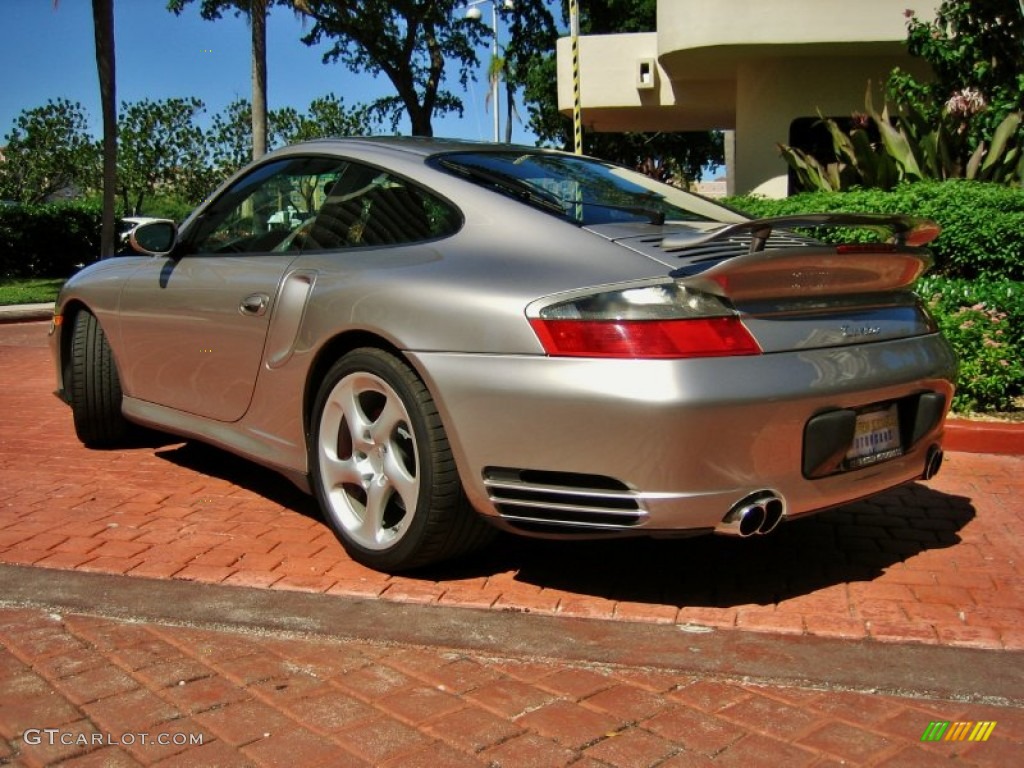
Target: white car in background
[125, 227]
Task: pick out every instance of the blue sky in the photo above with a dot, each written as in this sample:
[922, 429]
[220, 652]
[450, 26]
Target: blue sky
[48, 54]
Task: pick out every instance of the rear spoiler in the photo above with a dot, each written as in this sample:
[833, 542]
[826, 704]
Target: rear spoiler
[899, 230]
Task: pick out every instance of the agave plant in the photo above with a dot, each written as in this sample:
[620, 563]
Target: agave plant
[882, 150]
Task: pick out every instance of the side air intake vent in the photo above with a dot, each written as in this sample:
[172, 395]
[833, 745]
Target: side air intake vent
[534, 499]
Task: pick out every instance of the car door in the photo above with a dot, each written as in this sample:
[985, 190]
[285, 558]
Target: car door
[193, 326]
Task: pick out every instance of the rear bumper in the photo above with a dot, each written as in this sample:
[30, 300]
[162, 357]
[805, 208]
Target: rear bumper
[669, 447]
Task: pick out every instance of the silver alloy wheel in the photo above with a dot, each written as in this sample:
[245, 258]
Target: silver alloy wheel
[368, 462]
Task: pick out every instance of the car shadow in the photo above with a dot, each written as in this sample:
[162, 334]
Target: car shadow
[210, 460]
[856, 542]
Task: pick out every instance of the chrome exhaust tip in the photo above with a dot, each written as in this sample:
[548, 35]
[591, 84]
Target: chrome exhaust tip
[933, 462]
[774, 511]
[758, 513]
[749, 519]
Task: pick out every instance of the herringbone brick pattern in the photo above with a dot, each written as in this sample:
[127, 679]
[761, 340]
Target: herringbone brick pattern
[937, 563]
[84, 691]
[929, 563]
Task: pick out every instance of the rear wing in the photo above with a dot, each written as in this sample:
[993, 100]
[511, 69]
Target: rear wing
[899, 230]
[763, 274]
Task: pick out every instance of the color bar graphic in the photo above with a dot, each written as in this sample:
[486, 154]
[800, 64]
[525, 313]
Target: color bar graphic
[938, 730]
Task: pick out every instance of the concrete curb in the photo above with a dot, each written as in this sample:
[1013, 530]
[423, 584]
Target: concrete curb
[962, 435]
[964, 674]
[25, 313]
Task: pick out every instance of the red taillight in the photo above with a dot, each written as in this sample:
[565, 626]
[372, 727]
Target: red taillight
[690, 337]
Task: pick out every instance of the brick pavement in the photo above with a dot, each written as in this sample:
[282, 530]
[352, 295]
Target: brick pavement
[84, 691]
[933, 563]
[936, 564]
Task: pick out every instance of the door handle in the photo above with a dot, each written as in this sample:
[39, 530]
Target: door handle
[254, 304]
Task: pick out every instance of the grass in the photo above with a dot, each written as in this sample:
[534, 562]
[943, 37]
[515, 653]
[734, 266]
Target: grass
[35, 290]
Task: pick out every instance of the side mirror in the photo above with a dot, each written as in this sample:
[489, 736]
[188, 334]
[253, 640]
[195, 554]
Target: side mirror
[154, 238]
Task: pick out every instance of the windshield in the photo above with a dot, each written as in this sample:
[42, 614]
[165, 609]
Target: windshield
[582, 189]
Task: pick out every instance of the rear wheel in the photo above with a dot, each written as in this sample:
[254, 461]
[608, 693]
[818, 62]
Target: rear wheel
[95, 389]
[382, 467]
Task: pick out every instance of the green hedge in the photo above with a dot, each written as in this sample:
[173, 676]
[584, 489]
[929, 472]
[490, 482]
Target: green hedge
[982, 224]
[56, 239]
[50, 240]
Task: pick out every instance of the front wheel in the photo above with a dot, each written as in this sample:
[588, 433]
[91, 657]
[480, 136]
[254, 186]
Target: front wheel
[94, 388]
[382, 467]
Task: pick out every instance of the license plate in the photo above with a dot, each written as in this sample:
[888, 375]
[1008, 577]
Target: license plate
[876, 437]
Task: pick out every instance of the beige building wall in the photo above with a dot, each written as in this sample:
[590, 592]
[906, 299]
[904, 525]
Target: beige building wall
[691, 25]
[748, 66]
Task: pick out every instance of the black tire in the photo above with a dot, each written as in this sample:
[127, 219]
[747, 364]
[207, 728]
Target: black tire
[94, 387]
[383, 470]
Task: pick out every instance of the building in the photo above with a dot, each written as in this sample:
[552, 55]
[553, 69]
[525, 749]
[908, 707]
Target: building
[764, 70]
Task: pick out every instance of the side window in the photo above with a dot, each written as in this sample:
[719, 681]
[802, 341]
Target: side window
[369, 207]
[266, 210]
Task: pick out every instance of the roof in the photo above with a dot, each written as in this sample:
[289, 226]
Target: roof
[419, 145]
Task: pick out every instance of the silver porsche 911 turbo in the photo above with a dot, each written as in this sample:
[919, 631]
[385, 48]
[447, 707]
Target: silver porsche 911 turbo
[442, 338]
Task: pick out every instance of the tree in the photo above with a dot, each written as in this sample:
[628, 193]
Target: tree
[408, 42]
[532, 36]
[256, 11]
[327, 116]
[103, 32]
[258, 24]
[229, 140]
[48, 150]
[975, 49]
[159, 141]
[676, 156]
[672, 157]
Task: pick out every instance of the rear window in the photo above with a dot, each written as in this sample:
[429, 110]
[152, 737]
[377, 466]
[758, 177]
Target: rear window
[581, 189]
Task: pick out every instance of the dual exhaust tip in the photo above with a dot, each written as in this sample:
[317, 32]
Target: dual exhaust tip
[761, 512]
[933, 462]
[758, 513]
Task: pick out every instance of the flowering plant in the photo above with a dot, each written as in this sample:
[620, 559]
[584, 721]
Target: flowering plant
[987, 337]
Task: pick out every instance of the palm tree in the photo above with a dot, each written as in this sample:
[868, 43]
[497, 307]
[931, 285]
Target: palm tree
[258, 24]
[103, 27]
[103, 32]
[256, 10]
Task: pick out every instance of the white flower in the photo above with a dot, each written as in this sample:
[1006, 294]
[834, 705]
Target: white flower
[966, 103]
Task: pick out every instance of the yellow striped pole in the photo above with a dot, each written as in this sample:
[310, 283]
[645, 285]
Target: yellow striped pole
[577, 116]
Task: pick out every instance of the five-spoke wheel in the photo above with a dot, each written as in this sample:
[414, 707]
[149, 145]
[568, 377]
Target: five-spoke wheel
[382, 466]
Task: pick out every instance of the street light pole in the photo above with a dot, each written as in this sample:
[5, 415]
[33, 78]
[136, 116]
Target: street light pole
[472, 12]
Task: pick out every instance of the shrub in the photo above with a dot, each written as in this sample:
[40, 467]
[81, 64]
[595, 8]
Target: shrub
[982, 224]
[50, 240]
[984, 322]
[911, 147]
[168, 207]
